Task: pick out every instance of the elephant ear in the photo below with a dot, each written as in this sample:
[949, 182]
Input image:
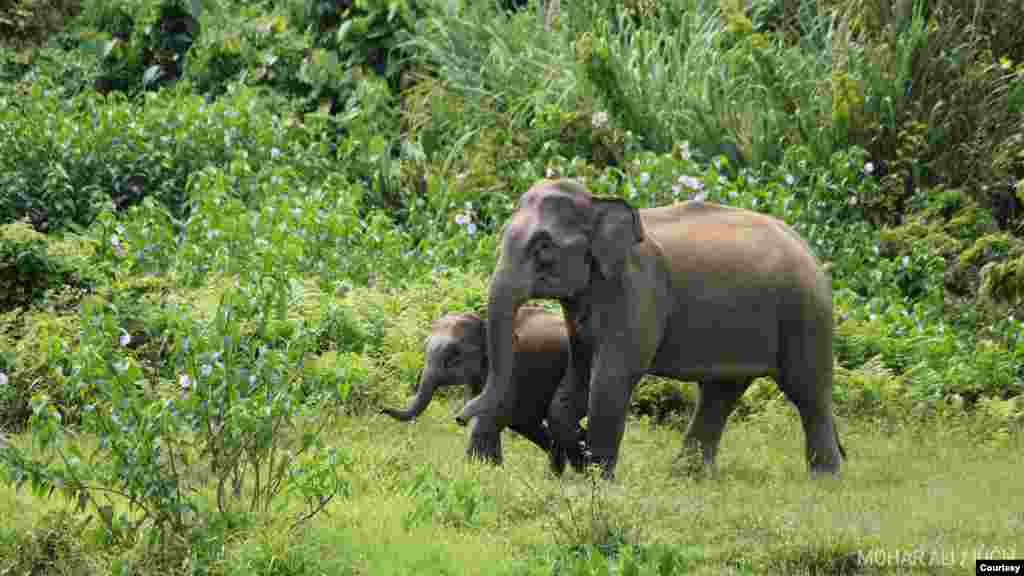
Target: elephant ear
[616, 230]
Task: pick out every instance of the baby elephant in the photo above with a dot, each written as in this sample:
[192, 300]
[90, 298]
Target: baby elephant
[456, 353]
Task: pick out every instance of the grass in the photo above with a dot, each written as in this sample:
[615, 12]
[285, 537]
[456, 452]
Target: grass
[919, 495]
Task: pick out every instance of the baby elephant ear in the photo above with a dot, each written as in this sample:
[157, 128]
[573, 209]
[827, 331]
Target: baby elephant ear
[616, 230]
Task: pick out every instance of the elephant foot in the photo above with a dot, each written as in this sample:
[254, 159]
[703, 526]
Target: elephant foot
[484, 443]
[828, 468]
[824, 451]
[577, 457]
[576, 454]
[557, 460]
[484, 451]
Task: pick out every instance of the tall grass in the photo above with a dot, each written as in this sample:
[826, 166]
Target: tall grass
[496, 64]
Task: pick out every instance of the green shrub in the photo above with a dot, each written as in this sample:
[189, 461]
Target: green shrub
[80, 155]
[53, 546]
[116, 18]
[452, 502]
[141, 45]
[252, 48]
[662, 399]
[27, 268]
[934, 359]
[33, 20]
[235, 396]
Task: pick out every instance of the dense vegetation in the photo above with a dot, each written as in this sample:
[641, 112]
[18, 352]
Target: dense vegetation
[225, 228]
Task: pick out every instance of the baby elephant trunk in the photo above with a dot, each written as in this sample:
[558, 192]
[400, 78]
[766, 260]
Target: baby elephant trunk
[424, 394]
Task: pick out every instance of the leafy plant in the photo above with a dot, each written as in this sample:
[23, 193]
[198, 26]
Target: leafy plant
[80, 155]
[228, 434]
[449, 502]
[33, 20]
[27, 268]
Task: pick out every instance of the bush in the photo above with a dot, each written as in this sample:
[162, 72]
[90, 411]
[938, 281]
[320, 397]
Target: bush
[33, 20]
[54, 546]
[28, 271]
[111, 152]
[444, 501]
[235, 396]
[662, 399]
[141, 45]
[256, 50]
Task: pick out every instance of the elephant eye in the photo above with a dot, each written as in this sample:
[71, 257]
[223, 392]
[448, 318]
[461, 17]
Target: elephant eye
[453, 358]
[544, 249]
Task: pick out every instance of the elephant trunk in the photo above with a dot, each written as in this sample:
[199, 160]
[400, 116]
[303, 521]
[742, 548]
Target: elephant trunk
[510, 288]
[424, 394]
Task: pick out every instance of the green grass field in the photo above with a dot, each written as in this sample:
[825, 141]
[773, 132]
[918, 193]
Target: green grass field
[911, 499]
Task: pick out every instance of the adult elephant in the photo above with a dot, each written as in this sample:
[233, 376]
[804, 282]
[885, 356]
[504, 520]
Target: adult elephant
[455, 353]
[693, 291]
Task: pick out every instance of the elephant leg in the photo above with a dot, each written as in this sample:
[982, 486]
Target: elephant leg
[805, 377]
[484, 440]
[821, 441]
[606, 417]
[540, 434]
[716, 401]
[564, 423]
[535, 432]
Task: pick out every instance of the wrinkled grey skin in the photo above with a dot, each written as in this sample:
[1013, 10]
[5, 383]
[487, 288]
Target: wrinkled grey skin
[455, 353]
[693, 291]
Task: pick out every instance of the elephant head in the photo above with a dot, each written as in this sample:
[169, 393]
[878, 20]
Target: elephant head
[453, 354]
[558, 239]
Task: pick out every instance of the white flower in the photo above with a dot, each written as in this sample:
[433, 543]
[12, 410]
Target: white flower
[644, 178]
[790, 180]
[599, 119]
[206, 369]
[115, 243]
[676, 189]
[461, 219]
[125, 339]
[471, 228]
[869, 167]
[691, 182]
[274, 152]
[184, 382]
[550, 173]
[3, 379]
